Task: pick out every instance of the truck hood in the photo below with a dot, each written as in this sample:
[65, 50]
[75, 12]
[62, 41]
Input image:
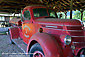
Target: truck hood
[58, 21]
[73, 27]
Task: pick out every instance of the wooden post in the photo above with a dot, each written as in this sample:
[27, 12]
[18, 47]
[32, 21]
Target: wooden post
[65, 14]
[71, 6]
[81, 14]
[14, 16]
[14, 13]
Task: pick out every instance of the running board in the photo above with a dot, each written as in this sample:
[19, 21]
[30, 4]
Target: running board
[20, 44]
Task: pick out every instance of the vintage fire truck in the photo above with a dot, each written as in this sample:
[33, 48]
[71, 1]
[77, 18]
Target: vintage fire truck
[42, 34]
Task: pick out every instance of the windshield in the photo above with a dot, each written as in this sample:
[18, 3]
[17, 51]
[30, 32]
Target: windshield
[40, 12]
[52, 13]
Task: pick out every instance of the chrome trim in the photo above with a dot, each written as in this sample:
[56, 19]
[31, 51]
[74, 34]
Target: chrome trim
[51, 26]
[54, 28]
[75, 30]
[77, 36]
[74, 25]
[60, 25]
[78, 42]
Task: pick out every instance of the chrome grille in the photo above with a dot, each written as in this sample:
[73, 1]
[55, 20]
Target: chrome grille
[74, 28]
[76, 33]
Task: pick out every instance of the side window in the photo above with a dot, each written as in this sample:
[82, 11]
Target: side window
[40, 12]
[51, 13]
[27, 15]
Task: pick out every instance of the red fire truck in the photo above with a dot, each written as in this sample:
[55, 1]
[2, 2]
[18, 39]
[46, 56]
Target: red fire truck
[40, 32]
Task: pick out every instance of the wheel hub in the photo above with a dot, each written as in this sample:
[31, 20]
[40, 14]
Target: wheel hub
[38, 54]
[82, 53]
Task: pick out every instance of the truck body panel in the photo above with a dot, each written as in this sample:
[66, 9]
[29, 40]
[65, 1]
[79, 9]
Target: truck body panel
[14, 32]
[55, 33]
[48, 45]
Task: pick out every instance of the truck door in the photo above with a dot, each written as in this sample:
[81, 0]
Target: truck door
[27, 26]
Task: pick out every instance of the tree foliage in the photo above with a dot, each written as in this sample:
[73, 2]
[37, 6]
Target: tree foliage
[75, 15]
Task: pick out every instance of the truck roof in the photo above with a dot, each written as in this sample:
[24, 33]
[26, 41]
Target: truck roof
[35, 6]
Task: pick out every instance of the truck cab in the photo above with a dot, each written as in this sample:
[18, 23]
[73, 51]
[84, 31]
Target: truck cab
[45, 35]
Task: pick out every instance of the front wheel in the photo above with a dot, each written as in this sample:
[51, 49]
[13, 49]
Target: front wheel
[81, 53]
[36, 51]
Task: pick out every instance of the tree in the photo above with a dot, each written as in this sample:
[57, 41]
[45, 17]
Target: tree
[77, 14]
[84, 15]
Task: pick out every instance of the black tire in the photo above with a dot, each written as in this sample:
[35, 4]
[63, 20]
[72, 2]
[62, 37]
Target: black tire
[11, 42]
[81, 51]
[35, 47]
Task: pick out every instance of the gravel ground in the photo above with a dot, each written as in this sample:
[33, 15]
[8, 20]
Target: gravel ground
[7, 49]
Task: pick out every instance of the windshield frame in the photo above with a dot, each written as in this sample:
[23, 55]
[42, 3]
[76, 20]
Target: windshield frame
[54, 13]
[47, 13]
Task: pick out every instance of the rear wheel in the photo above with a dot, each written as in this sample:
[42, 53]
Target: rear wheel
[36, 51]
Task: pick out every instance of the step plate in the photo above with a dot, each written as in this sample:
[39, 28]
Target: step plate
[20, 44]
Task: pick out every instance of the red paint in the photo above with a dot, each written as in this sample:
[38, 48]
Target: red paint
[49, 45]
[54, 33]
[14, 32]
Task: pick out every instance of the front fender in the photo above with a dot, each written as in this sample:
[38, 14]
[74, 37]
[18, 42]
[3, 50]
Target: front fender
[49, 45]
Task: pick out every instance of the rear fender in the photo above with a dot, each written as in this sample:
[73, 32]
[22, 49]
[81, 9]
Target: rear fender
[14, 32]
[50, 46]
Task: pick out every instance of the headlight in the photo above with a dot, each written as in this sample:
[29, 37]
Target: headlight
[67, 40]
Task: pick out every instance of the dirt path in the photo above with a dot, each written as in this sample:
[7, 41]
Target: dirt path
[7, 49]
